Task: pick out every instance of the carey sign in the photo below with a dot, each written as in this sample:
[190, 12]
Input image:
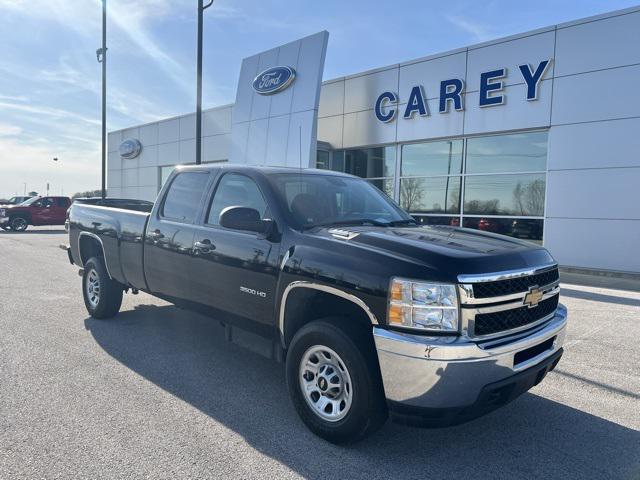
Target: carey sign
[451, 92]
[274, 80]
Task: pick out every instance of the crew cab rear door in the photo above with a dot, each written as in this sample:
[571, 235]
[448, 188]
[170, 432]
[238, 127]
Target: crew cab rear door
[235, 271]
[169, 235]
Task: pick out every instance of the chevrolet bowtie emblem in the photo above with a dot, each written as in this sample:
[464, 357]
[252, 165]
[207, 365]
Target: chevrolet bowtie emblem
[533, 297]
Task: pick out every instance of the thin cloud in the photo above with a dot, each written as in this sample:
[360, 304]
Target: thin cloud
[48, 111]
[8, 130]
[478, 31]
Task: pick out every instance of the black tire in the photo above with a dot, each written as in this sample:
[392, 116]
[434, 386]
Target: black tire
[108, 300]
[354, 347]
[19, 224]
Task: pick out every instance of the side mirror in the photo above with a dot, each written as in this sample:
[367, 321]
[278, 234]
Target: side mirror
[243, 218]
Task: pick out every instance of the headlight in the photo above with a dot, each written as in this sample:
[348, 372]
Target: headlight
[3, 212]
[423, 306]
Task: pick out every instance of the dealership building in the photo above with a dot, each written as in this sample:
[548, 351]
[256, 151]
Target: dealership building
[536, 135]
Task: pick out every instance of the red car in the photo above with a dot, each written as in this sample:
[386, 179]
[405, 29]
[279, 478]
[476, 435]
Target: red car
[36, 211]
[490, 225]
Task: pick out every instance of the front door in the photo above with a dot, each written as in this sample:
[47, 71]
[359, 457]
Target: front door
[169, 236]
[235, 271]
[43, 211]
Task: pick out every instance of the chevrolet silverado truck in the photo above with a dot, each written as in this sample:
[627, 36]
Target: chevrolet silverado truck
[35, 211]
[374, 315]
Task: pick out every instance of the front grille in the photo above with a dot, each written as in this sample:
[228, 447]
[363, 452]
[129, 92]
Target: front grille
[489, 323]
[514, 285]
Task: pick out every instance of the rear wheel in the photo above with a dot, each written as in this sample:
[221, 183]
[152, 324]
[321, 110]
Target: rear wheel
[334, 380]
[19, 224]
[102, 295]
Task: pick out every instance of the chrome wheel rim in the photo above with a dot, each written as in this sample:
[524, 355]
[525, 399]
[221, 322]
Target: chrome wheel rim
[325, 383]
[92, 286]
[19, 224]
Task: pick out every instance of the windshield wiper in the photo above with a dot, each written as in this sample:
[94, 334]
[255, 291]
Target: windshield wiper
[408, 221]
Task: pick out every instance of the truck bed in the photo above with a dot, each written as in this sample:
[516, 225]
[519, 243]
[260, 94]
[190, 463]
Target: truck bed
[121, 232]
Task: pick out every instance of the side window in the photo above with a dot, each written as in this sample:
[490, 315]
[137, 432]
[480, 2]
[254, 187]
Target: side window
[184, 196]
[48, 202]
[236, 190]
[61, 202]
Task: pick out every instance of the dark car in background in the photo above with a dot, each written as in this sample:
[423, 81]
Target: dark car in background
[35, 211]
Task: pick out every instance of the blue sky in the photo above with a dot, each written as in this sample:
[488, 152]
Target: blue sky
[50, 80]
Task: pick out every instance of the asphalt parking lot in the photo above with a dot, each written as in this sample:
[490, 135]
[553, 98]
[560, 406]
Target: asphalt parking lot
[158, 393]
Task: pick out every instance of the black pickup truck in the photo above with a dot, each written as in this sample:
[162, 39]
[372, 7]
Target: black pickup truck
[373, 314]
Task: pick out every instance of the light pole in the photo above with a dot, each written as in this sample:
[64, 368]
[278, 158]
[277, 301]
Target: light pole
[201, 8]
[101, 55]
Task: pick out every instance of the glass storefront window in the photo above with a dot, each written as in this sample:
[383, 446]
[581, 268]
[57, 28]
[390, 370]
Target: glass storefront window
[370, 162]
[517, 195]
[383, 184]
[430, 195]
[525, 228]
[433, 158]
[164, 174]
[437, 220]
[322, 160]
[502, 179]
[519, 152]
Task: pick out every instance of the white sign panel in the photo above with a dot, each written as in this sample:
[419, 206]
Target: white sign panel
[275, 114]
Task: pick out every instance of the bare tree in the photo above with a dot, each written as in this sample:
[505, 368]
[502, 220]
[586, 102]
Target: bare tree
[411, 193]
[534, 197]
[529, 198]
[518, 192]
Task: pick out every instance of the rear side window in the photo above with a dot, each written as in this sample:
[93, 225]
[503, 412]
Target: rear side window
[236, 191]
[184, 196]
[62, 202]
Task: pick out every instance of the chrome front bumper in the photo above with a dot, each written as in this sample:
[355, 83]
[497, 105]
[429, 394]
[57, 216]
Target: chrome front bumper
[448, 373]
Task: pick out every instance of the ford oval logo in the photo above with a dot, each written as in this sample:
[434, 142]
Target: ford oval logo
[273, 80]
[130, 148]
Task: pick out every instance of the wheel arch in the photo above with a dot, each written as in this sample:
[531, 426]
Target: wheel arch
[303, 302]
[90, 245]
[22, 214]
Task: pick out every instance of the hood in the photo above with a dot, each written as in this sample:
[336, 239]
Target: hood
[451, 249]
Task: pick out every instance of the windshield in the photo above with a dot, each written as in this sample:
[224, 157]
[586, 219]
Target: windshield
[314, 200]
[30, 201]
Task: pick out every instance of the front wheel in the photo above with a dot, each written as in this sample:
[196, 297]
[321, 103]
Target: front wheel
[334, 380]
[19, 224]
[102, 295]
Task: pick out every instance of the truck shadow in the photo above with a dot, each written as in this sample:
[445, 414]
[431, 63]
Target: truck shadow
[186, 355]
[34, 232]
[601, 297]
